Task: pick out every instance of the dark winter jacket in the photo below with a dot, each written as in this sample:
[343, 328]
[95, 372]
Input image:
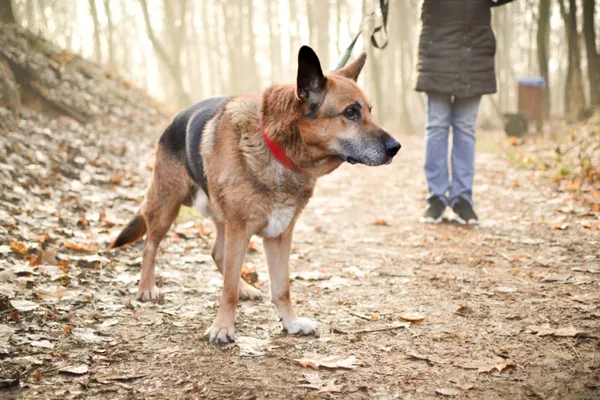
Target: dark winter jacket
[457, 47]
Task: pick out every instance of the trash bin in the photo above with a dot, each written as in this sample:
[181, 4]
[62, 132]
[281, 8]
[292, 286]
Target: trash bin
[531, 99]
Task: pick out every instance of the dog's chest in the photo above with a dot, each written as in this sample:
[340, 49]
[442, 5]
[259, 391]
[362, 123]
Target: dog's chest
[278, 221]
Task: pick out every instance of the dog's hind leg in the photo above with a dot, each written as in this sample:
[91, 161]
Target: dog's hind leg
[278, 257]
[247, 291]
[166, 193]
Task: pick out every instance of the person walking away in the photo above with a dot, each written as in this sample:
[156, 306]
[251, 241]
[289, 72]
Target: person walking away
[455, 68]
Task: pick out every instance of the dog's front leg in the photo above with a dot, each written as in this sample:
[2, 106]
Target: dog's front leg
[236, 242]
[278, 257]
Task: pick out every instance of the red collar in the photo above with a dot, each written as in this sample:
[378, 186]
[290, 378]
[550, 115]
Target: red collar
[277, 151]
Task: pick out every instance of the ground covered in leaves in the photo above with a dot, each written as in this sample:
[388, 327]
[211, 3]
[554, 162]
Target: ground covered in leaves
[507, 309]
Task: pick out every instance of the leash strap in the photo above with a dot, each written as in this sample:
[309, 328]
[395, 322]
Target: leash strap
[384, 5]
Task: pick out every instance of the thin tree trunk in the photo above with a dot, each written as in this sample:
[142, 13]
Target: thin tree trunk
[97, 44]
[183, 97]
[574, 97]
[543, 39]
[111, 45]
[593, 57]
[7, 14]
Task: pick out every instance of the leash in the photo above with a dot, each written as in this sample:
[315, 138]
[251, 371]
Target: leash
[384, 6]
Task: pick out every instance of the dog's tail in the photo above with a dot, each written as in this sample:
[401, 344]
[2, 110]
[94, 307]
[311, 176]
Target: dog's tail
[134, 230]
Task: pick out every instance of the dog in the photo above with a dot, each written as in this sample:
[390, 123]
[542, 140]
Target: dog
[251, 164]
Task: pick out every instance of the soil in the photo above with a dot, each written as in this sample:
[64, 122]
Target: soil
[506, 309]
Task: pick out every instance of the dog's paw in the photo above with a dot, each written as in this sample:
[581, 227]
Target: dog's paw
[150, 294]
[220, 334]
[249, 292]
[301, 326]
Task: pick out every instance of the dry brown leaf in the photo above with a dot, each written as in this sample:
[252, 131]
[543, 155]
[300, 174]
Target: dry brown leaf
[487, 364]
[447, 391]
[587, 298]
[412, 316]
[252, 248]
[79, 247]
[315, 361]
[19, 248]
[80, 369]
[310, 276]
[547, 330]
[249, 274]
[567, 332]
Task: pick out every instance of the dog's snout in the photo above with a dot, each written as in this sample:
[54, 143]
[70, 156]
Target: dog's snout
[392, 146]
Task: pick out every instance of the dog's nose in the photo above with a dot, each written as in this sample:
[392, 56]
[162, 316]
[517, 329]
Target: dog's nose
[392, 146]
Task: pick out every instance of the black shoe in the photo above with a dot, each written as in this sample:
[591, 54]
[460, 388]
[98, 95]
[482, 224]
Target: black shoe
[435, 212]
[464, 213]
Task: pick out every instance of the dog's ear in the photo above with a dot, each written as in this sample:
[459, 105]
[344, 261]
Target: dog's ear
[352, 70]
[311, 84]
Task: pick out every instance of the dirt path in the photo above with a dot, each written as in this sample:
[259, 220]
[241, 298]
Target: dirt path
[510, 307]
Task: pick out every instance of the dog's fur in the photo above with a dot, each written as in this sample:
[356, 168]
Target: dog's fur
[213, 156]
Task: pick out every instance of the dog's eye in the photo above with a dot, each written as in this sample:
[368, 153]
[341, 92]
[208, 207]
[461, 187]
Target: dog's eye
[352, 113]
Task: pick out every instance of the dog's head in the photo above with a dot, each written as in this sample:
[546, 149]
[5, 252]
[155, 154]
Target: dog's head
[336, 117]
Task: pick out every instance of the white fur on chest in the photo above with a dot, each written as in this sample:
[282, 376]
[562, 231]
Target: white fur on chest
[279, 220]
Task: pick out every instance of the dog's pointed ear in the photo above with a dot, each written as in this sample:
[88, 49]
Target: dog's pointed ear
[352, 70]
[311, 84]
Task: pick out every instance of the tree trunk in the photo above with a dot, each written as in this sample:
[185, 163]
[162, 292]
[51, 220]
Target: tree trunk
[6, 12]
[183, 97]
[111, 48]
[97, 45]
[543, 38]
[574, 97]
[593, 57]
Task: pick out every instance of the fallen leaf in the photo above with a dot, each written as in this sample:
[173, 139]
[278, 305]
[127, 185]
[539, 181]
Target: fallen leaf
[587, 298]
[411, 316]
[567, 332]
[80, 369]
[251, 347]
[79, 247]
[313, 381]
[252, 248]
[19, 248]
[502, 289]
[447, 391]
[487, 364]
[5, 333]
[310, 276]
[24, 305]
[249, 274]
[380, 222]
[313, 360]
[555, 277]
[46, 344]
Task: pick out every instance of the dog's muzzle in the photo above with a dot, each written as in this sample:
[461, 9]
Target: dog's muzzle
[370, 152]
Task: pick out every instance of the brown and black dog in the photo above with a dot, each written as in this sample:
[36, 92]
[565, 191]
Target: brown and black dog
[251, 164]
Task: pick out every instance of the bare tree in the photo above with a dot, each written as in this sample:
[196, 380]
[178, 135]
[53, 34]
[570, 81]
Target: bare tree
[174, 68]
[574, 97]
[110, 29]
[593, 57]
[543, 38]
[97, 45]
[6, 12]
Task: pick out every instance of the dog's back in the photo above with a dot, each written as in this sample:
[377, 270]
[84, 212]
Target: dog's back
[183, 136]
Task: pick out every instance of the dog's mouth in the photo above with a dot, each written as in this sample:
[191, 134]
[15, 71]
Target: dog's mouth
[351, 160]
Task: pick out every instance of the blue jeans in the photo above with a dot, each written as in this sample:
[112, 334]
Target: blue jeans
[444, 111]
